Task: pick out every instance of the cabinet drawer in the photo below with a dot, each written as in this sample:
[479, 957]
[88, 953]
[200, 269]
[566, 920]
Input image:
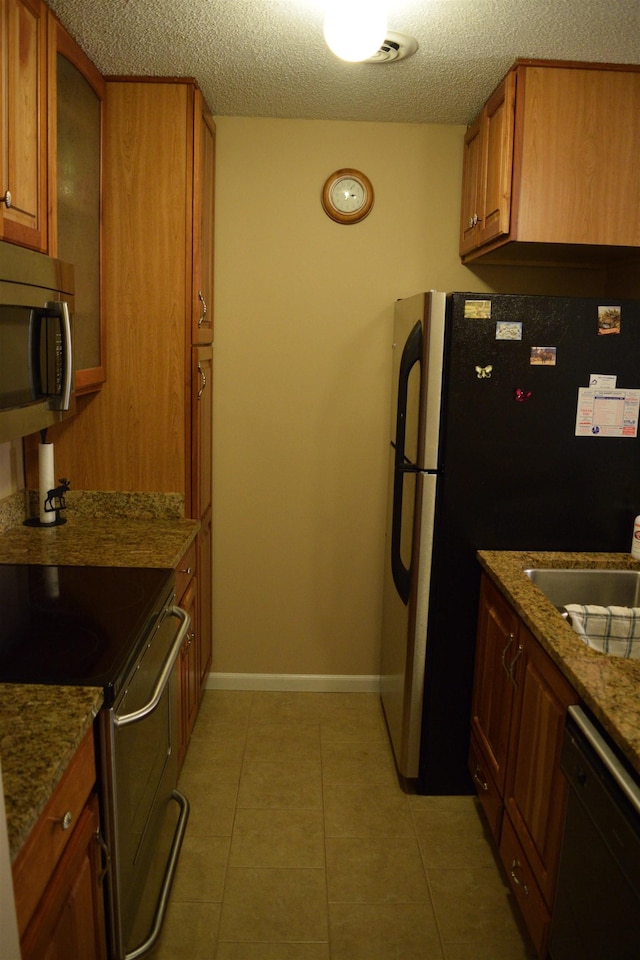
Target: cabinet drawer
[524, 888]
[185, 571]
[486, 789]
[44, 847]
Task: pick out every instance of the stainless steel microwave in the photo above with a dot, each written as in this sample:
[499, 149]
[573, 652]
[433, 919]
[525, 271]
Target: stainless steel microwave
[36, 341]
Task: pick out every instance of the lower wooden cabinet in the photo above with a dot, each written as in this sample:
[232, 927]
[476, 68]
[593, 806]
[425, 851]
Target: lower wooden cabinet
[57, 876]
[189, 672]
[520, 701]
[69, 920]
[193, 579]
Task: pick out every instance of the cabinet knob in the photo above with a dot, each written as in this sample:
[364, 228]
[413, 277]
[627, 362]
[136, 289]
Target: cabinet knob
[186, 570]
[6, 198]
[65, 820]
[202, 316]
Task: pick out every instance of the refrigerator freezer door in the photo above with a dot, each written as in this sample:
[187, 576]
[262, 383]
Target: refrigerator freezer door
[404, 628]
[418, 345]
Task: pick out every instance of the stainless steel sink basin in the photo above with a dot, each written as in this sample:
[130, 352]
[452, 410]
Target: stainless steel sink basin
[602, 587]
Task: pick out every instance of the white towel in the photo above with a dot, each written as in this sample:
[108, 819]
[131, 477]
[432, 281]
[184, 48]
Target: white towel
[612, 630]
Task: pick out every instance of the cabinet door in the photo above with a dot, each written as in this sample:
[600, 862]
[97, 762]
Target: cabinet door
[205, 597]
[471, 171]
[535, 789]
[188, 672]
[498, 122]
[69, 921]
[23, 129]
[76, 92]
[494, 689]
[201, 430]
[203, 222]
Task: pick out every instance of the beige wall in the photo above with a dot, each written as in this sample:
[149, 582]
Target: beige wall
[303, 320]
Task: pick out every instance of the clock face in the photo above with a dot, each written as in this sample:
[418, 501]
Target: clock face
[347, 196]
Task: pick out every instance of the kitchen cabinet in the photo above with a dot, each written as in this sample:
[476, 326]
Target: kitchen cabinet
[519, 705]
[550, 166]
[189, 660]
[204, 132]
[488, 162]
[23, 123]
[76, 96]
[57, 876]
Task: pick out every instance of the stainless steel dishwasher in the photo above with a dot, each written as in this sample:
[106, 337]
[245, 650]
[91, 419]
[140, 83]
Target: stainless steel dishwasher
[597, 908]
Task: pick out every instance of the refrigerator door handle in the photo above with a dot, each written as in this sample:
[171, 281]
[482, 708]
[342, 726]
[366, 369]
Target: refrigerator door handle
[411, 354]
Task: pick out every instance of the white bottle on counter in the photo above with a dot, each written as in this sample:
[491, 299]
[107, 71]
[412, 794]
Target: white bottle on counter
[635, 540]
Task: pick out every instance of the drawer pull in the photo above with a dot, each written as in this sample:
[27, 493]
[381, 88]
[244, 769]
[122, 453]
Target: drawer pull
[186, 570]
[64, 821]
[6, 198]
[516, 866]
[477, 776]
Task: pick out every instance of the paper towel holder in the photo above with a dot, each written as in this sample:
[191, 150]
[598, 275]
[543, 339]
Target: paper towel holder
[53, 503]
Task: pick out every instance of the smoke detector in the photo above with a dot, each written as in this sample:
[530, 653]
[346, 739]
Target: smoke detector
[397, 46]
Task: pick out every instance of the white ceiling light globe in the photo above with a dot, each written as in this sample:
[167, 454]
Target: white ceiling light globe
[355, 29]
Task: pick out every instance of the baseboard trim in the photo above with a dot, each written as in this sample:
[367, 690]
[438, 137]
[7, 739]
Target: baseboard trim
[293, 681]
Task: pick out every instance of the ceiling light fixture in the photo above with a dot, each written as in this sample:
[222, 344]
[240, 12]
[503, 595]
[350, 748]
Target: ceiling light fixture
[355, 29]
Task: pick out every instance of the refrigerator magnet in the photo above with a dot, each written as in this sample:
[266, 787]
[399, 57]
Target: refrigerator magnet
[508, 330]
[477, 309]
[608, 320]
[543, 356]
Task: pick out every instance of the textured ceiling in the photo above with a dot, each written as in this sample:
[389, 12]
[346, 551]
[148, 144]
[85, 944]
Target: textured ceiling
[267, 58]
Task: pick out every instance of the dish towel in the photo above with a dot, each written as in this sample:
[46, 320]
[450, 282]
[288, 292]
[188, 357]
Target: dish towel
[612, 630]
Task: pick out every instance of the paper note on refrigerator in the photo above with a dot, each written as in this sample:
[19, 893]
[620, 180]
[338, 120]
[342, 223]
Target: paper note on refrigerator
[604, 412]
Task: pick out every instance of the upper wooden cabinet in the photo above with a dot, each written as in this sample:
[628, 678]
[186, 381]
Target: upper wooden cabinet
[23, 122]
[76, 95]
[488, 163]
[204, 153]
[550, 166]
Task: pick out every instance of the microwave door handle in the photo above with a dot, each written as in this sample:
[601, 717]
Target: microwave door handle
[61, 309]
[35, 373]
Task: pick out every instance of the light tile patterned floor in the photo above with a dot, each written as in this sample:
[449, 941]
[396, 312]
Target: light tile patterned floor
[302, 846]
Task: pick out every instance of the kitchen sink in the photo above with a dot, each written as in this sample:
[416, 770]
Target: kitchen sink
[605, 588]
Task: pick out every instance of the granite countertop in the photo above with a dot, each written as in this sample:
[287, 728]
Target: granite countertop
[609, 686]
[41, 728]
[101, 543]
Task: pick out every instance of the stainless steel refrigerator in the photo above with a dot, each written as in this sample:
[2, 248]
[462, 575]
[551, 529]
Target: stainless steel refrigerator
[514, 426]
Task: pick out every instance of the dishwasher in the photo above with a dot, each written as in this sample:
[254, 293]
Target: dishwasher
[596, 913]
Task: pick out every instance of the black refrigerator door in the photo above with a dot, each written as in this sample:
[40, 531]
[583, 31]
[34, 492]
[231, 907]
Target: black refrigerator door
[515, 477]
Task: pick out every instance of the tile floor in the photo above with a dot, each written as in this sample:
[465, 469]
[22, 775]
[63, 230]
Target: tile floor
[302, 846]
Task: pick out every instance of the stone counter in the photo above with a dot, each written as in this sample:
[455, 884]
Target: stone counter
[100, 543]
[41, 728]
[609, 686]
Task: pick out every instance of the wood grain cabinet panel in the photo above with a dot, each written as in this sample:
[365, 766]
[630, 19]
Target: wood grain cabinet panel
[520, 700]
[554, 173]
[23, 122]
[57, 876]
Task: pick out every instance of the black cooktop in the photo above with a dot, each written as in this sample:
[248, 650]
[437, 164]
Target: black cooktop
[76, 625]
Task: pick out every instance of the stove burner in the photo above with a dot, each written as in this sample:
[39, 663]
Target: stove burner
[76, 625]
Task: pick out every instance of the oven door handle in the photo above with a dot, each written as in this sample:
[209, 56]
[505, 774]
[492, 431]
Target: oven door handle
[163, 679]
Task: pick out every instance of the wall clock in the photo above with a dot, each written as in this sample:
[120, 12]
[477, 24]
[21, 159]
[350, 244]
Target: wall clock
[347, 196]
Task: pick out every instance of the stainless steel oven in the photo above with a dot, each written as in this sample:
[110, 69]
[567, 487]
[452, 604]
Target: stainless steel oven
[144, 815]
[117, 628]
